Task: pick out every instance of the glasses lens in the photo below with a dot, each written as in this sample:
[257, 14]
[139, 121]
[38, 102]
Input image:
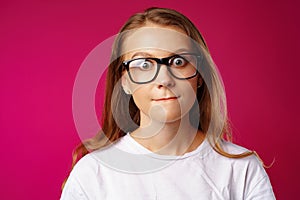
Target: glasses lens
[142, 70]
[184, 66]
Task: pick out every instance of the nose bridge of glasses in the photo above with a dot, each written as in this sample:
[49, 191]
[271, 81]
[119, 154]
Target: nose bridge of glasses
[163, 73]
[163, 61]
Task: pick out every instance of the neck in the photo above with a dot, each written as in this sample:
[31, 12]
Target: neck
[168, 138]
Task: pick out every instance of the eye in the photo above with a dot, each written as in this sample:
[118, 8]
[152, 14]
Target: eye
[146, 65]
[142, 64]
[178, 62]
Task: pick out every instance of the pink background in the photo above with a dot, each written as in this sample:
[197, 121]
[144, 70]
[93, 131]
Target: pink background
[255, 44]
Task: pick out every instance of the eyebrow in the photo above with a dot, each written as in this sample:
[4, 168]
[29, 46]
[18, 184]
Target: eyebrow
[145, 54]
[182, 50]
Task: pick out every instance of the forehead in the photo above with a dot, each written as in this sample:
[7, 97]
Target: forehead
[159, 38]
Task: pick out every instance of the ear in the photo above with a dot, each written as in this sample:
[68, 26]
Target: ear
[125, 84]
[200, 81]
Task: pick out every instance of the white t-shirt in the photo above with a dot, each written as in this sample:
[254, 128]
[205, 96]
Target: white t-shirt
[127, 170]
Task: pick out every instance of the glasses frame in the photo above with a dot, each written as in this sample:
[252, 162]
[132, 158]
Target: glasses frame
[162, 61]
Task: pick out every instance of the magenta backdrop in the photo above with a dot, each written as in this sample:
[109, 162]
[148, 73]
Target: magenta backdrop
[255, 44]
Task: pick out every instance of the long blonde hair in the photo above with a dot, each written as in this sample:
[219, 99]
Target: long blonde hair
[213, 119]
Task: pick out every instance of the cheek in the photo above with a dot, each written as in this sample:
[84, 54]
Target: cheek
[141, 99]
[189, 89]
[189, 95]
[194, 84]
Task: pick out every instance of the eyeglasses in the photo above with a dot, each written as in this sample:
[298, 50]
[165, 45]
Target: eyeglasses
[181, 66]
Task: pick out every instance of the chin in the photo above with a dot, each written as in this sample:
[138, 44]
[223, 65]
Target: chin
[167, 118]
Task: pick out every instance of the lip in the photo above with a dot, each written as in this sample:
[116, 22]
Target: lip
[166, 99]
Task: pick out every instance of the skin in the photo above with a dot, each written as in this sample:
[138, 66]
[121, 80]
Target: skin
[164, 103]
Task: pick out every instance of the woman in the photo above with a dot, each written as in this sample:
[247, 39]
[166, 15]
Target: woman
[164, 123]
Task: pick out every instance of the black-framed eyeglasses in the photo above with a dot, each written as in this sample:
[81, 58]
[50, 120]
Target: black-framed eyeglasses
[180, 66]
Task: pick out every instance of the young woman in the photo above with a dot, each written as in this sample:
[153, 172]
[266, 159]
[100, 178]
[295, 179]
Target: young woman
[165, 132]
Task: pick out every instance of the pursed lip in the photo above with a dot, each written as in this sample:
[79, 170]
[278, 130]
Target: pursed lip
[166, 99]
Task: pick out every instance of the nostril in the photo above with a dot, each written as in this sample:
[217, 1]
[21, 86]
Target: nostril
[169, 82]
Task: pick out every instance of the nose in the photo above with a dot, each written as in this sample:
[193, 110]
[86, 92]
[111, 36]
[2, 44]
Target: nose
[164, 78]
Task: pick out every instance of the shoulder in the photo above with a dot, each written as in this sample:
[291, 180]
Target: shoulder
[248, 171]
[248, 163]
[245, 169]
[235, 149]
[87, 177]
[232, 148]
[93, 163]
[86, 168]
[75, 185]
[88, 163]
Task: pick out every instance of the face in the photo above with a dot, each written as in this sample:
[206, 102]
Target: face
[166, 98]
